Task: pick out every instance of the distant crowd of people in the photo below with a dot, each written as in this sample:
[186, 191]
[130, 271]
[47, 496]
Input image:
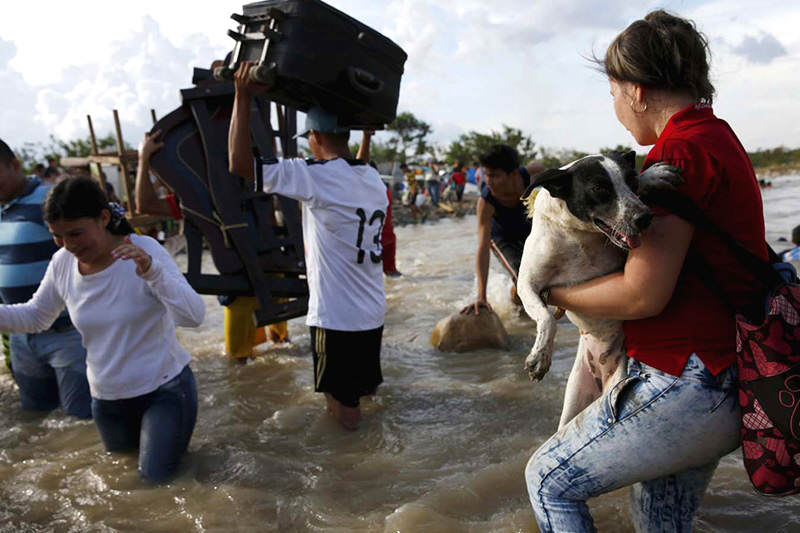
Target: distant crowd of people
[51, 173]
[433, 182]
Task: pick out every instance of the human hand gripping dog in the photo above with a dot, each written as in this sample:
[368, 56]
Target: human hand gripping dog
[131, 251]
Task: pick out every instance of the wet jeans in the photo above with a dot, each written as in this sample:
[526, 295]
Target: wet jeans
[159, 424]
[659, 433]
[50, 369]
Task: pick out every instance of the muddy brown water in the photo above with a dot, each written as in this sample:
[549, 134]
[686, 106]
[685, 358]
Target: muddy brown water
[441, 448]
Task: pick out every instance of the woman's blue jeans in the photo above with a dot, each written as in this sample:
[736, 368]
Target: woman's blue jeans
[659, 433]
[159, 424]
[50, 369]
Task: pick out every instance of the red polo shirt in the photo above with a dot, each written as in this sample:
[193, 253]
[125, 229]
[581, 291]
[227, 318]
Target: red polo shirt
[719, 179]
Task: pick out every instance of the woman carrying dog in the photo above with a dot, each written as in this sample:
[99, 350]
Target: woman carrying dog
[125, 294]
[664, 427]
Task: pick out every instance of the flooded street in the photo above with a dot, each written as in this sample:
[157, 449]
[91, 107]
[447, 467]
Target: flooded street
[442, 447]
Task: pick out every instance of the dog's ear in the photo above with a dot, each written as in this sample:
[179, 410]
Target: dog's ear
[530, 190]
[630, 159]
[627, 160]
[557, 182]
[529, 198]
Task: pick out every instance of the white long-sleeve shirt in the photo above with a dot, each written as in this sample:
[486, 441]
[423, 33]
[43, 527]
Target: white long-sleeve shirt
[344, 207]
[127, 322]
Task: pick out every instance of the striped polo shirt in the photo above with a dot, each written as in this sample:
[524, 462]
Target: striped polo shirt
[26, 244]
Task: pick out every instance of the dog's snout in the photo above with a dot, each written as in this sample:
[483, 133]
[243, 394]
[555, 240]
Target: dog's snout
[642, 222]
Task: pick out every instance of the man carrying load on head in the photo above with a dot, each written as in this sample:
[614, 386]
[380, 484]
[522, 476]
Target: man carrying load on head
[343, 208]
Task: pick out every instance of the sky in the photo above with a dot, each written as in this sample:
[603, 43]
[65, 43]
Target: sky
[473, 65]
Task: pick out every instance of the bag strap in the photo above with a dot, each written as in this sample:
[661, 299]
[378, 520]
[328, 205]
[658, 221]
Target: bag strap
[699, 266]
[683, 207]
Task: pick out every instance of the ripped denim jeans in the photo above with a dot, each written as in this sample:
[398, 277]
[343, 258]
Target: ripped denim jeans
[662, 434]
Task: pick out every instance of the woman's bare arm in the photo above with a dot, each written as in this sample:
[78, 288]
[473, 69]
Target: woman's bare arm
[646, 284]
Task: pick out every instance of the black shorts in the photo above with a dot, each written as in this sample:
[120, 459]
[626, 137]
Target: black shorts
[347, 364]
[511, 250]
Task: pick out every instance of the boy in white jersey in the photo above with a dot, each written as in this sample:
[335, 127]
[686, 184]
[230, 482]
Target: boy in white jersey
[344, 206]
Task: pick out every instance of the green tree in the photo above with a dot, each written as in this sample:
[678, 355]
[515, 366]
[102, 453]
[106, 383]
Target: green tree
[550, 158]
[775, 157]
[409, 137]
[29, 155]
[83, 147]
[32, 153]
[470, 146]
[380, 152]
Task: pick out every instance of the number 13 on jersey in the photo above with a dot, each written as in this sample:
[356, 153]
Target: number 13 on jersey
[363, 221]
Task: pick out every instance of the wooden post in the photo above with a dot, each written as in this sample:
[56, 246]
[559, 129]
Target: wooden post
[123, 168]
[120, 146]
[91, 135]
[93, 166]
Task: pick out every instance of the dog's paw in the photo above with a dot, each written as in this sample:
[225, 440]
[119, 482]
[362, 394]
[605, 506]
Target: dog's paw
[537, 364]
[660, 176]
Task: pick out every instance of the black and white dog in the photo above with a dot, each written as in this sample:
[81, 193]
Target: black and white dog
[585, 218]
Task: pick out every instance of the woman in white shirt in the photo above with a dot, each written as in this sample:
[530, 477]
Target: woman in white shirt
[125, 295]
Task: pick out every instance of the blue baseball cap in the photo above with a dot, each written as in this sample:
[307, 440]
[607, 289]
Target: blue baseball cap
[318, 119]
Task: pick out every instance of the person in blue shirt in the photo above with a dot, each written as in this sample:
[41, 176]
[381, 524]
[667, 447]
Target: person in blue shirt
[503, 222]
[792, 254]
[471, 171]
[49, 367]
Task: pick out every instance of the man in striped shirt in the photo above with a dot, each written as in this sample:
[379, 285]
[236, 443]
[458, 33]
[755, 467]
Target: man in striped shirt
[50, 366]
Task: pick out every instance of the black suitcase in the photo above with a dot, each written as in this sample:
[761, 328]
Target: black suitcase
[315, 55]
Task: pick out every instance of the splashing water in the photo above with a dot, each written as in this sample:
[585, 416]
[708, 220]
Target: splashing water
[441, 448]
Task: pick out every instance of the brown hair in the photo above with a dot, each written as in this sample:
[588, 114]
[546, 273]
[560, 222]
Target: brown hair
[661, 51]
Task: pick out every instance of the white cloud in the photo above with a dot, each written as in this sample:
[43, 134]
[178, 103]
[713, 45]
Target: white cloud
[473, 65]
[418, 30]
[524, 64]
[760, 49]
[143, 70]
[16, 121]
[757, 99]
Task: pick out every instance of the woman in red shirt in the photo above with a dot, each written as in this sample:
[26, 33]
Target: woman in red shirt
[664, 427]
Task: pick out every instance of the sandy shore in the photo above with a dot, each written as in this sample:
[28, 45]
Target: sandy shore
[777, 171]
[402, 215]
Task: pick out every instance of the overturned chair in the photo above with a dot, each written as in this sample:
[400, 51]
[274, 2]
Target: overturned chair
[255, 239]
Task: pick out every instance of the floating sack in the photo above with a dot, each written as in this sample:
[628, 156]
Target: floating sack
[463, 333]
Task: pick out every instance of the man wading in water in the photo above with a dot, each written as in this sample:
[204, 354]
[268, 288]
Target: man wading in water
[344, 208]
[502, 217]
